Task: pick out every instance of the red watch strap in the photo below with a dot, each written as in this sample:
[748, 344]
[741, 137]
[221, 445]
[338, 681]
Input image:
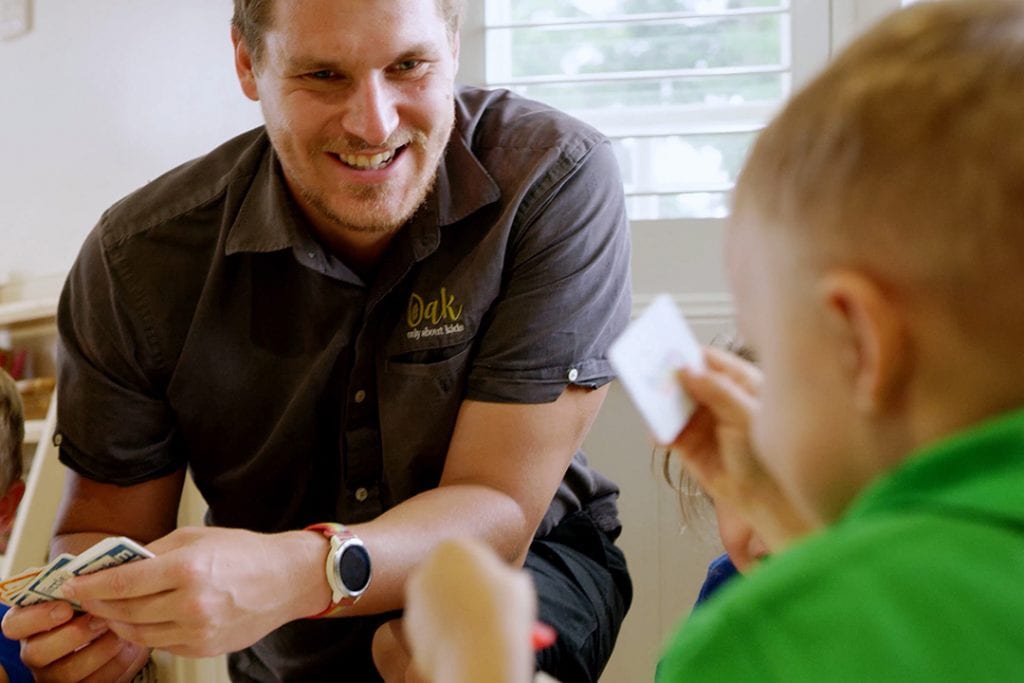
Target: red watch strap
[331, 529]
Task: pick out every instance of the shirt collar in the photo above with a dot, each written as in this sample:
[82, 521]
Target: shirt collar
[979, 471]
[266, 221]
[463, 184]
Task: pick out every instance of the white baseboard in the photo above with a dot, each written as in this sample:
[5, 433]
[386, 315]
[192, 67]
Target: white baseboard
[702, 307]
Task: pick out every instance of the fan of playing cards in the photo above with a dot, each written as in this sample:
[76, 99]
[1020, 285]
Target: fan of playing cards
[42, 584]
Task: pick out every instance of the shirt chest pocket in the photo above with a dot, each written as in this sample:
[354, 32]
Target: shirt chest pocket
[420, 397]
[446, 367]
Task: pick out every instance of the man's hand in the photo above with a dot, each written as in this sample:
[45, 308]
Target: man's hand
[59, 646]
[716, 447]
[208, 590]
[469, 616]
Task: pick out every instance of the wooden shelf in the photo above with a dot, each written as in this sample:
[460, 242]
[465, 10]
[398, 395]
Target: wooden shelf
[32, 310]
[28, 324]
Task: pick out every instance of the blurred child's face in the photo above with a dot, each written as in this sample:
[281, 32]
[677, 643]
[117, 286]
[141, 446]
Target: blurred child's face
[744, 547]
[805, 429]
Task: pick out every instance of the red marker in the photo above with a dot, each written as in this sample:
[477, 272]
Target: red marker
[542, 636]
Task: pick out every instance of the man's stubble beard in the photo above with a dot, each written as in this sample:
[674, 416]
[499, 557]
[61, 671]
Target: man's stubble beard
[372, 200]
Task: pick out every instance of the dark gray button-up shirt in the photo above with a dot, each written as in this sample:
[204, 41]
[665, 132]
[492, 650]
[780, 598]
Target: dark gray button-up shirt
[203, 326]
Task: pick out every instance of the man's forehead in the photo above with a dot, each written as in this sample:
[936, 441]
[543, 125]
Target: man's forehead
[306, 35]
[282, 10]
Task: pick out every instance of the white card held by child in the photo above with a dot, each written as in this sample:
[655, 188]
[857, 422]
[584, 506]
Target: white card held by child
[647, 357]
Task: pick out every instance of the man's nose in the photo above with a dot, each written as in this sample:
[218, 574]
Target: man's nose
[372, 115]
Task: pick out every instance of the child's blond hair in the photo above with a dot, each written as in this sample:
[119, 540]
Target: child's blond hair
[915, 172]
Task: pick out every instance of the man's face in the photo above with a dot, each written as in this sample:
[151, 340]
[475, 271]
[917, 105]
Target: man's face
[357, 96]
[804, 431]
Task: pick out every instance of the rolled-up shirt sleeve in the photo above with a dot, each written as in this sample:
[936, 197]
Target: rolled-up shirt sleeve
[113, 424]
[567, 291]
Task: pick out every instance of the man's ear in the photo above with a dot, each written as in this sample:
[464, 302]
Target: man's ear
[9, 503]
[456, 45]
[867, 321]
[244, 66]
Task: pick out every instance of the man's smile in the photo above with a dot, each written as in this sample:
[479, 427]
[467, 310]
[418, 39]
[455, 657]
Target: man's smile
[370, 162]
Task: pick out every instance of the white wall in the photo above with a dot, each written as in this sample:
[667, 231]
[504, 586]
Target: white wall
[99, 97]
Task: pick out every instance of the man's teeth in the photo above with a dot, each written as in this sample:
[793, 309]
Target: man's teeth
[376, 161]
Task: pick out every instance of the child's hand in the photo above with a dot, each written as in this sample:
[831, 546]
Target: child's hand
[717, 450]
[715, 444]
[60, 645]
[469, 616]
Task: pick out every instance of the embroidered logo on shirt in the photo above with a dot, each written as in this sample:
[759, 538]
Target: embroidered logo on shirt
[433, 317]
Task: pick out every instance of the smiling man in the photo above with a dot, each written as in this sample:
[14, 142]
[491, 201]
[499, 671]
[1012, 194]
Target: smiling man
[389, 309]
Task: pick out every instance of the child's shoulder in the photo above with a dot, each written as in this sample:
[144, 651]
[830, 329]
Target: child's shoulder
[861, 597]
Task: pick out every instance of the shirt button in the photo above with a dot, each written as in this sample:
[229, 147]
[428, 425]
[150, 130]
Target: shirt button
[58, 439]
[360, 396]
[362, 494]
[311, 254]
[573, 374]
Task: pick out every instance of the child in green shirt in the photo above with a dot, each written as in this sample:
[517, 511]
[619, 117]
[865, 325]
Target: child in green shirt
[874, 251]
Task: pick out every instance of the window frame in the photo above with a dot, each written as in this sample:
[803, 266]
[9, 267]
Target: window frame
[682, 256]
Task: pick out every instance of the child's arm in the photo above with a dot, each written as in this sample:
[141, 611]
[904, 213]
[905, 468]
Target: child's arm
[469, 617]
[716, 449]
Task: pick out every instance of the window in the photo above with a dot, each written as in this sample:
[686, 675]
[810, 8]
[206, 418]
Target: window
[681, 87]
[681, 128]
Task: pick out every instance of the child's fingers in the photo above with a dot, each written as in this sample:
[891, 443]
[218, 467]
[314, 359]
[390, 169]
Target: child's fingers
[23, 622]
[728, 398]
[742, 372]
[721, 402]
[715, 446]
[697, 439]
[700, 424]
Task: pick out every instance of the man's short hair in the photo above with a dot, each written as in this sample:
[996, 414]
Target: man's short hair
[905, 157]
[252, 19]
[12, 432]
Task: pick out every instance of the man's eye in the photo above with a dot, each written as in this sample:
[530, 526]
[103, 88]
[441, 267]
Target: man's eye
[322, 75]
[407, 65]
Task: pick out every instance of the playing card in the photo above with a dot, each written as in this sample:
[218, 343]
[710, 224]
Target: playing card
[109, 552]
[45, 587]
[43, 584]
[10, 587]
[647, 356]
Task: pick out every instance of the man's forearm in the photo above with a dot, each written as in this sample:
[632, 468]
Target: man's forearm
[75, 543]
[399, 539]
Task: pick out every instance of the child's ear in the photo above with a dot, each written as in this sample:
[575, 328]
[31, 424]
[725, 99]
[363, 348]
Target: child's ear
[9, 503]
[868, 322]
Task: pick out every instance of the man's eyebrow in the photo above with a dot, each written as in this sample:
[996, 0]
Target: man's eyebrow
[418, 50]
[310, 63]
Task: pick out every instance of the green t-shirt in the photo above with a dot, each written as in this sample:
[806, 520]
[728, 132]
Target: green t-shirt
[921, 580]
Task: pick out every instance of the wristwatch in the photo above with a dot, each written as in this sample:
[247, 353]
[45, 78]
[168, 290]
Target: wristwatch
[347, 567]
